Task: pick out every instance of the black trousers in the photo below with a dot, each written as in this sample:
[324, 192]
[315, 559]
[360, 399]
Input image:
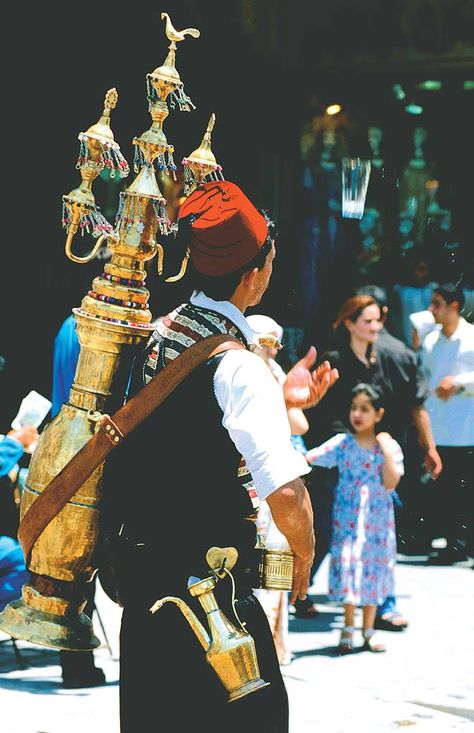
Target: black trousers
[79, 664]
[166, 680]
[453, 500]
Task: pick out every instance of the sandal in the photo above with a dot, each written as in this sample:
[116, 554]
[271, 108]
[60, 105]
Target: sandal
[391, 621]
[306, 611]
[369, 645]
[345, 645]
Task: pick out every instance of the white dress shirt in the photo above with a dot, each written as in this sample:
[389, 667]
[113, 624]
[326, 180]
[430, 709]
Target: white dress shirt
[254, 410]
[452, 420]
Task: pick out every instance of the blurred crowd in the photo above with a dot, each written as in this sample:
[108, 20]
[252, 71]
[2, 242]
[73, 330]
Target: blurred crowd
[405, 394]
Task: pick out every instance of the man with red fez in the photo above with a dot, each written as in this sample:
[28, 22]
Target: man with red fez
[201, 462]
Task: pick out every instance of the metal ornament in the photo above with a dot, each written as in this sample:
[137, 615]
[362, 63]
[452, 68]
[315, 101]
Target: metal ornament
[112, 320]
[230, 650]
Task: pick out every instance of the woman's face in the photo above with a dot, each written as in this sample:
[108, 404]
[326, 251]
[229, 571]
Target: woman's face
[367, 326]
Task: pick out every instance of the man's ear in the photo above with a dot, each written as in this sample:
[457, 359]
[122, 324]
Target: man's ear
[248, 278]
[457, 304]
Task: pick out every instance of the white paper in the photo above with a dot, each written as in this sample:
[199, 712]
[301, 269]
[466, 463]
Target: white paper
[33, 409]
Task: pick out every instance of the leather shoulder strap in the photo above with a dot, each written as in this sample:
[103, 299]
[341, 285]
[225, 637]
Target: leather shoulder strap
[111, 432]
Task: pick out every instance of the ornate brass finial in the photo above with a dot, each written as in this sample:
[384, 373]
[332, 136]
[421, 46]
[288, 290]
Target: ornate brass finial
[165, 80]
[98, 142]
[111, 98]
[173, 35]
[98, 150]
[202, 162]
[112, 320]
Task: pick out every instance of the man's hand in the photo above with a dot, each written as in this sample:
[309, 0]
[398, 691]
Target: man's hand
[301, 578]
[304, 388]
[432, 462]
[446, 388]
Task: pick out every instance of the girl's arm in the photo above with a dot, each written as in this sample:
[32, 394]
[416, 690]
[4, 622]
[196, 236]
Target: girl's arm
[298, 422]
[390, 473]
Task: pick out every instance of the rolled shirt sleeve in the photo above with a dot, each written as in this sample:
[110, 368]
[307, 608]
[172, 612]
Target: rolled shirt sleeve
[254, 414]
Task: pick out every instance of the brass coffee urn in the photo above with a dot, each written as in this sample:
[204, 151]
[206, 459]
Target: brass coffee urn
[111, 320]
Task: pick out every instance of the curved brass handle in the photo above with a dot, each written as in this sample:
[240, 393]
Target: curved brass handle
[91, 255]
[184, 266]
[160, 253]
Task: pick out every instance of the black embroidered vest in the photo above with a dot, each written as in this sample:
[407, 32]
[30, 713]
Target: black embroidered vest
[178, 483]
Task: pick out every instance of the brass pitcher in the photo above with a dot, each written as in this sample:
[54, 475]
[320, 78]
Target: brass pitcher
[229, 650]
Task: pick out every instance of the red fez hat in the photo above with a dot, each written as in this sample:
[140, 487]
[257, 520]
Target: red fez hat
[227, 231]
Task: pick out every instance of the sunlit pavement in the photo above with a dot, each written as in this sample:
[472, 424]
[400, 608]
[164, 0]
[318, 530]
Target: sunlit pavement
[424, 682]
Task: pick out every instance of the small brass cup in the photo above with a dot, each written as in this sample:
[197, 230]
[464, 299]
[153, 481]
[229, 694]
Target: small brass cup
[276, 569]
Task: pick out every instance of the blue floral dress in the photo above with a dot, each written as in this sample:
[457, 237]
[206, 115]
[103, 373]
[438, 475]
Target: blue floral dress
[363, 546]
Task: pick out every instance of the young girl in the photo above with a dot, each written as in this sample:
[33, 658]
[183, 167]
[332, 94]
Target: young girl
[363, 543]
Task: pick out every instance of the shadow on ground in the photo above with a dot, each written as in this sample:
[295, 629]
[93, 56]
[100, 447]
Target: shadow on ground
[25, 657]
[326, 651]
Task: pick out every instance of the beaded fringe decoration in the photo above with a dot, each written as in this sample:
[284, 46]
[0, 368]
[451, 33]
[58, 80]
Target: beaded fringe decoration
[189, 177]
[164, 161]
[111, 156]
[159, 209]
[177, 96]
[93, 221]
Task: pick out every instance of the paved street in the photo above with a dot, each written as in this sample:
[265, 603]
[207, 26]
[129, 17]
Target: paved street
[424, 682]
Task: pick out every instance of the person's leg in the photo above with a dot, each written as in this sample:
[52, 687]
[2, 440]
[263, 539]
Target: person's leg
[78, 668]
[368, 631]
[346, 644]
[321, 490]
[455, 503]
[388, 617]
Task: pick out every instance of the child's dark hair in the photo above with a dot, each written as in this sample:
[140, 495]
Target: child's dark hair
[373, 392]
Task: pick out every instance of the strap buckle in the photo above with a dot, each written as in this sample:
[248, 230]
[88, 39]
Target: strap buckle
[111, 430]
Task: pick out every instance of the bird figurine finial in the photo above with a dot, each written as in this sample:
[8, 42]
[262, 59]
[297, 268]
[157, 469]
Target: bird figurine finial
[173, 35]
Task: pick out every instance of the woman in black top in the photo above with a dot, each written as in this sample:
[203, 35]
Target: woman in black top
[356, 329]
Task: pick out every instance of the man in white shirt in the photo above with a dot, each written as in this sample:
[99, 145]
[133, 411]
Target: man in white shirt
[448, 358]
[203, 460]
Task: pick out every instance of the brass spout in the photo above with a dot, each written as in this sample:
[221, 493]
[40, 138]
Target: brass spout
[92, 253]
[229, 651]
[184, 265]
[195, 624]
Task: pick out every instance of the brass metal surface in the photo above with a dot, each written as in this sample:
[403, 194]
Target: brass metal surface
[276, 569]
[230, 650]
[109, 330]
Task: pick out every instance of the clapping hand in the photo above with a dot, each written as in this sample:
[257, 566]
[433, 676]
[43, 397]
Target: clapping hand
[304, 388]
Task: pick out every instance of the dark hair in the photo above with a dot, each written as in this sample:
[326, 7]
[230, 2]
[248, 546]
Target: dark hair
[373, 392]
[222, 287]
[451, 292]
[376, 292]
